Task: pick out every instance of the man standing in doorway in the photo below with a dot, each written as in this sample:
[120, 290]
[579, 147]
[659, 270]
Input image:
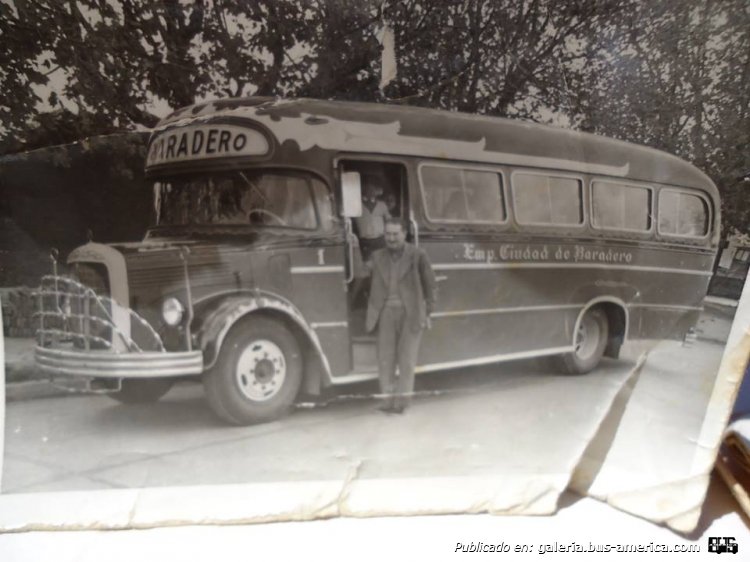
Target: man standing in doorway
[402, 297]
[371, 225]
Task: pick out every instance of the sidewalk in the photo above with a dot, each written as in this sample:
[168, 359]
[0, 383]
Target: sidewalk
[715, 321]
[19, 359]
[22, 380]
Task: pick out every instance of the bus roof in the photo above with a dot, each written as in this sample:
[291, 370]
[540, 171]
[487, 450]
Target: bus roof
[430, 133]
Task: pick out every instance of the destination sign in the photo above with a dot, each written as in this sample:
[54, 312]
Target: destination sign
[205, 142]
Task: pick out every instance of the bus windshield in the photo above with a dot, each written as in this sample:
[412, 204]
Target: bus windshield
[246, 197]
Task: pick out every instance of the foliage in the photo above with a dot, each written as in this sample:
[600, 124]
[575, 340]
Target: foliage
[110, 61]
[676, 76]
[673, 75]
[509, 58]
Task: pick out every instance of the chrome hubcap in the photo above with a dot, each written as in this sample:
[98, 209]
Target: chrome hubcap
[261, 370]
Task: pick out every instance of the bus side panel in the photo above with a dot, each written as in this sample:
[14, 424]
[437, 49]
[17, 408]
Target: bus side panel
[465, 338]
[491, 304]
[485, 311]
[319, 292]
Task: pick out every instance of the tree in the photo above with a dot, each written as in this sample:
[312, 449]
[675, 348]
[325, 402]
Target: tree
[673, 75]
[115, 61]
[729, 160]
[110, 61]
[344, 55]
[248, 46]
[676, 77]
[22, 62]
[505, 57]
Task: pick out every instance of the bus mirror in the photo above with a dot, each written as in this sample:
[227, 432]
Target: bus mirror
[351, 194]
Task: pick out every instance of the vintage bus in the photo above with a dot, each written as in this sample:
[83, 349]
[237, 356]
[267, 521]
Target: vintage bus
[544, 242]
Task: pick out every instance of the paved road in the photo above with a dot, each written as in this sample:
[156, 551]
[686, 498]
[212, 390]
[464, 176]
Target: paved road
[462, 422]
[512, 419]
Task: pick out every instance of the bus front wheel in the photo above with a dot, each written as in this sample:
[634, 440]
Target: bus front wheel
[590, 342]
[258, 373]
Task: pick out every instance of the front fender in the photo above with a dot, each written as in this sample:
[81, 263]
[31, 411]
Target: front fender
[215, 324]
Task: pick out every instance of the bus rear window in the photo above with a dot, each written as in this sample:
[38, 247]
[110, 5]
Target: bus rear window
[617, 206]
[539, 199]
[682, 214]
[457, 195]
[247, 197]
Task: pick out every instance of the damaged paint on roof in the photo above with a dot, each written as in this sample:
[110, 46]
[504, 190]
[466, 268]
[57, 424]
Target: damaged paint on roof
[430, 133]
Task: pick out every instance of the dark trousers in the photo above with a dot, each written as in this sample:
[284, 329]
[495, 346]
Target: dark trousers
[397, 346]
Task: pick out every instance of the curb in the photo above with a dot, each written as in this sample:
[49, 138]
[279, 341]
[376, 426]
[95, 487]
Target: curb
[721, 301]
[32, 390]
[20, 372]
[713, 340]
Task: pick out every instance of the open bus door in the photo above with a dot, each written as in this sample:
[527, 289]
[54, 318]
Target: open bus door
[383, 193]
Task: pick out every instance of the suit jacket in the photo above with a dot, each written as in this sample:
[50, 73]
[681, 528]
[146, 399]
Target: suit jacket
[416, 286]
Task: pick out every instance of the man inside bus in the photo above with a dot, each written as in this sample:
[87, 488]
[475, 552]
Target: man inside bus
[371, 225]
[402, 297]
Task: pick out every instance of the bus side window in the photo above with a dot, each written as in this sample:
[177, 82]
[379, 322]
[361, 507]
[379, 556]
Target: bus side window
[617, 206]
[456, 195]
[541, 199]
[682, 214]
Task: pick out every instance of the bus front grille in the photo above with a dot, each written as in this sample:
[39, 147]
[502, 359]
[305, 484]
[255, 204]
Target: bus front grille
[93, 276]
[72, 313]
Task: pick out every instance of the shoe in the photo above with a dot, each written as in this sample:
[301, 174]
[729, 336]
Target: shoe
[398, 409]
[387, 409]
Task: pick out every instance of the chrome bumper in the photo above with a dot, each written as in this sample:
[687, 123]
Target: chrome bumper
[106, 364]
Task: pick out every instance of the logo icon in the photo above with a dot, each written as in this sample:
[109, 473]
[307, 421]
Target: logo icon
[722, 544]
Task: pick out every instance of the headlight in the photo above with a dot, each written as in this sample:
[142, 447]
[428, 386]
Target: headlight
[172, 311]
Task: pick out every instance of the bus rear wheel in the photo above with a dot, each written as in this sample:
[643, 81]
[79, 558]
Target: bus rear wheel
[258, 373]
[590, 342]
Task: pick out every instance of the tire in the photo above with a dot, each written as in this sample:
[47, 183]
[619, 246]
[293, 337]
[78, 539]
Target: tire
[141, 391]
[590, 343]
[258, 372]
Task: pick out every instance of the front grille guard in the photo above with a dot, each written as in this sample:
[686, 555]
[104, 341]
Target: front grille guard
[70, 312]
